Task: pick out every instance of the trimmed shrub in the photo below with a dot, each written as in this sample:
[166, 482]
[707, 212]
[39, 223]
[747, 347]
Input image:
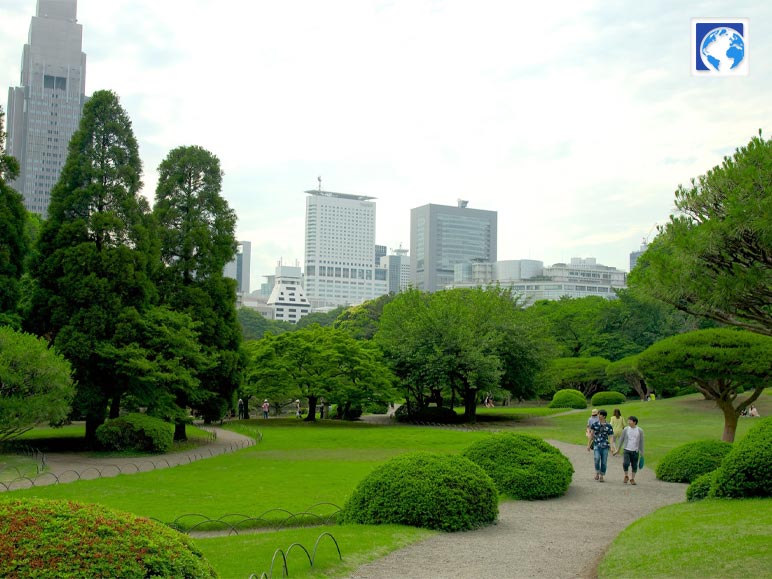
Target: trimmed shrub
[45, 538]
[700, 487]
[523, 466]
[136, 432]
[690, 461]
[745, 471]
[429, 414]
[568, 399]
[607, 398]
[423, 489]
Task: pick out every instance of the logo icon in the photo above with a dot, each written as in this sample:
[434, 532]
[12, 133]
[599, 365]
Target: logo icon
[719, 46]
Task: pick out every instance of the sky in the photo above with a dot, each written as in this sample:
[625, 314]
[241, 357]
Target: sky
[575, 121]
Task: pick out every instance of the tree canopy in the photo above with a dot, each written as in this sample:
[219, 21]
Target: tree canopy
[714, 257]
[721, 363]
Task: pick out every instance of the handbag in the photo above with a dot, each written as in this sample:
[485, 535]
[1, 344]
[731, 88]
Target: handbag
[640, 461]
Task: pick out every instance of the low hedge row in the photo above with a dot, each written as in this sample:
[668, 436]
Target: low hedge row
[64, 539]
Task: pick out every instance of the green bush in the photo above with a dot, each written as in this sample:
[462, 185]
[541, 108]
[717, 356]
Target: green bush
[607, 398]
[700, 487]
[568, 399]
[690, 461]
[523, 466]
[136, 432]
[429, 414]
[745, 471]
[422, 489]
[45, 538]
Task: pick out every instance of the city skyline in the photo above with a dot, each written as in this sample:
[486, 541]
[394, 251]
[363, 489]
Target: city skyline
[576, 127]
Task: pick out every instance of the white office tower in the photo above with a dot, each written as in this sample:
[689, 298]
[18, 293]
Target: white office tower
[44, 112]
[340, 267]
[287, 298]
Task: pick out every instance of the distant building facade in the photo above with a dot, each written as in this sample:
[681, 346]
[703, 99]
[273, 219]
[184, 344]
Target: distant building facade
[443, 236]
[634, 255]
[340, 266]
[45, 110]
[239, 268]
[288, 299]
[398, 268]
[533, 282]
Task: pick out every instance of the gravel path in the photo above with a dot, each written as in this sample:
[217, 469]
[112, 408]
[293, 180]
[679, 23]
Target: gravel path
[558, 538]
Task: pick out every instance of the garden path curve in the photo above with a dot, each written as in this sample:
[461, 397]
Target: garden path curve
[558, 538]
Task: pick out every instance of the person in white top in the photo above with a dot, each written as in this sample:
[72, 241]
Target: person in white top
[631, 441]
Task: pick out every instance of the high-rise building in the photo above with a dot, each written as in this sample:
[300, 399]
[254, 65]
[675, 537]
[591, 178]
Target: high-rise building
[287, 297]
[340, 267]
[397, 266]
[238, 269]
[45, 111]
[442, 236]
[634, 255]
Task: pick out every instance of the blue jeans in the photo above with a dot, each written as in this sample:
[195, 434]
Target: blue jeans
[601, 458]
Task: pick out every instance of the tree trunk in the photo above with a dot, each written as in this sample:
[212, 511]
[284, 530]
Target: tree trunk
[92, 424]
[179, 431]
[115, 406]
[311, 410]
[730, 419]
[470, 405]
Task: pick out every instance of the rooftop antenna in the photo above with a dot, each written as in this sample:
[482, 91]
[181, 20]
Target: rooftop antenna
[462, 203]
[319, 178]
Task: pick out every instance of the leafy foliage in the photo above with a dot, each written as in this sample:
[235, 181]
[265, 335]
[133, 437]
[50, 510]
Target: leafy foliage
[523, 466]
[35, 383]
[588, 375]
[433, 491]
[714, 258]
[700, 487]
[568, 398]
[255, 325]
[745, 471]
[719, 362]
[690, 461]
[607, 398]
[627, 370]
[45, 538]
[430, 414]
[135, 432]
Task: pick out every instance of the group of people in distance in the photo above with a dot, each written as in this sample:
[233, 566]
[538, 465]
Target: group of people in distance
[751, 412]
[604, 437]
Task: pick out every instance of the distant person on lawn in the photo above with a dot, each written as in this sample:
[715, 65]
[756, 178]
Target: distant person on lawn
[631, 442]
[266, 408]
[618, 424]
[601, 431]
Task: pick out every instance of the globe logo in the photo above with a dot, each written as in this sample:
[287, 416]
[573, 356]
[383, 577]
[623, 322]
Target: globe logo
[722, 49]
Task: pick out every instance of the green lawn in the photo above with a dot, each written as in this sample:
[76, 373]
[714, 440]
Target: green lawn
[710, 538]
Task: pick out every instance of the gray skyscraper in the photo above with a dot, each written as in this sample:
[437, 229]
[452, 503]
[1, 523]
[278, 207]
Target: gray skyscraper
[442, 236]
[45, 110]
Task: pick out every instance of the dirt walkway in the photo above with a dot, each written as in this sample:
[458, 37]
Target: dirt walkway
[558, 538]
[66, 467]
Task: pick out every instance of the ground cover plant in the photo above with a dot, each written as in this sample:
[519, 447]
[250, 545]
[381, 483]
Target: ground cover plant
[710, 538]
[424, 489]
[522, 466]
[692, 460]
[67, 539]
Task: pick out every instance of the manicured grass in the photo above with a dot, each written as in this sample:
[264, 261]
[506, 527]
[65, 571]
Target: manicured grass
[710, 538]
[242, 555]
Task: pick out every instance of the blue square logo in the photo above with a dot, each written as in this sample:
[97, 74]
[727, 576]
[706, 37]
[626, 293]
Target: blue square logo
[719, 46]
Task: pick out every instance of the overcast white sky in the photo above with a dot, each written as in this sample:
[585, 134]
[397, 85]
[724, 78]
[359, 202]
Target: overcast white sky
[576, 121]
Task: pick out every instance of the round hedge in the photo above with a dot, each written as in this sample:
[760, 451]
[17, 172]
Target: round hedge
[700, 487]
[745, 471]
[136, 432]
[607, 398]
[67, 539]
[568, 398]
[423, 489]
[690, 461]
[523, 466]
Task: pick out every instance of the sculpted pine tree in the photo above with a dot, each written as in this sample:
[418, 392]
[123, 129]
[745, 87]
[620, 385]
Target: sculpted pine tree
[93, 255]
[197, 235]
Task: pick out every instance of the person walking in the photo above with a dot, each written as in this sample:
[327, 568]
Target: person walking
[266, 408]
[298, 412]
[590, 421]
[601, 431]
[618, 424]
[631, 441]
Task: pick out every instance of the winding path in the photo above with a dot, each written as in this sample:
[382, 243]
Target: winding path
[558, 538]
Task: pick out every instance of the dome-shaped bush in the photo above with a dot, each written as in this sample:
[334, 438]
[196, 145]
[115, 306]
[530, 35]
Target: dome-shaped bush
[568, 399]
[690, 461]
[136, 432]
[700, 487]
[607, 398]
[422, 489]
[523, 466]
[745, 471]
[66, 539]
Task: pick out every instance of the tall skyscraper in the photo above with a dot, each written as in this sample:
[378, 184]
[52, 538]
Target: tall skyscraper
[397, 266]
[45, 110]
[238, 269]
[340, 267]
[442, 236]
[634, 255]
